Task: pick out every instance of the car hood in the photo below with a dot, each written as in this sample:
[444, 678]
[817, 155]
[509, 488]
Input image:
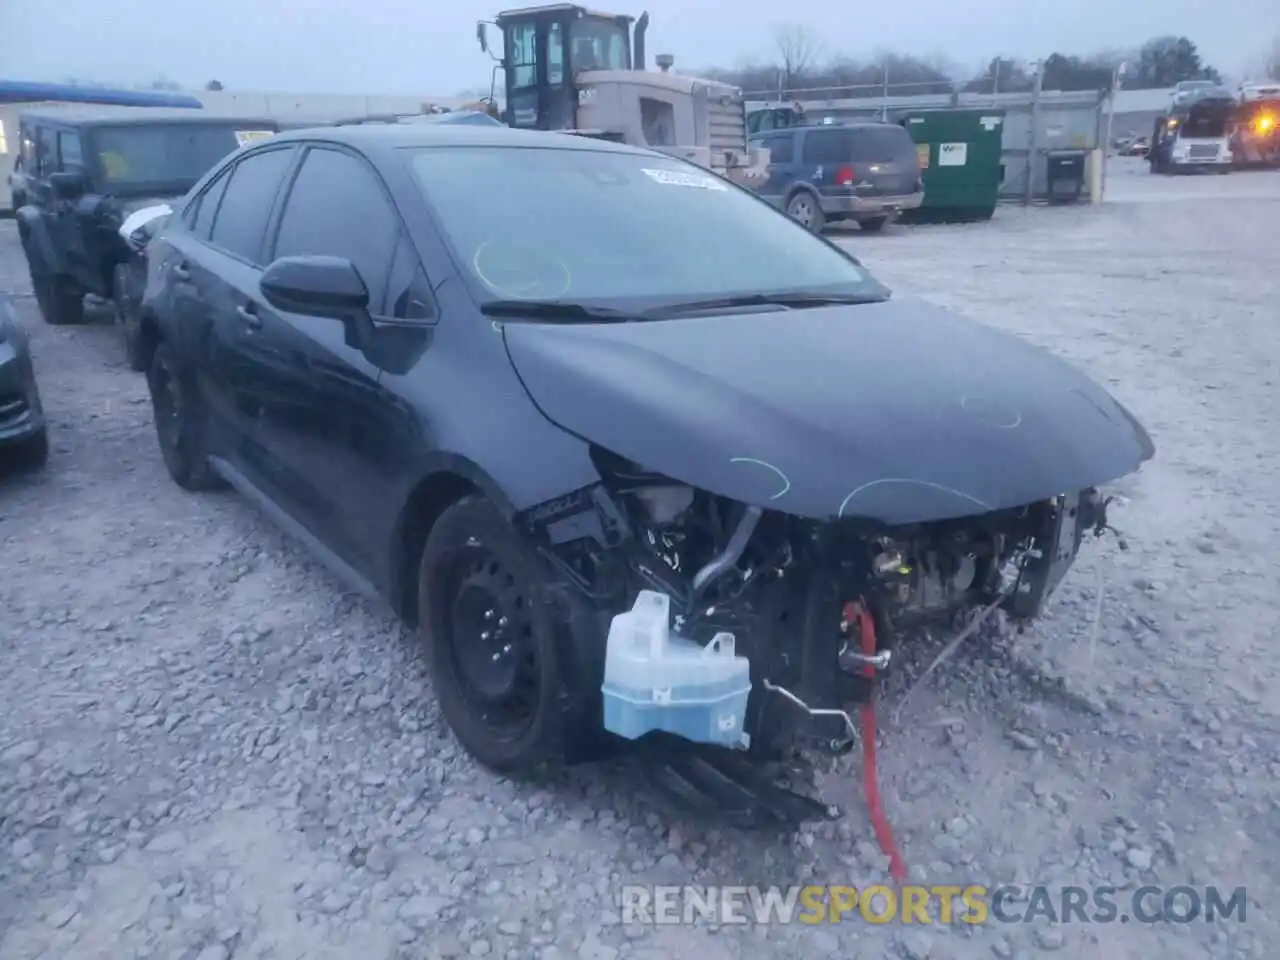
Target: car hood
[897, 412]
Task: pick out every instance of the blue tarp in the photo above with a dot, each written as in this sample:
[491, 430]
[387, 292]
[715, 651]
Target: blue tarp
[19, 91]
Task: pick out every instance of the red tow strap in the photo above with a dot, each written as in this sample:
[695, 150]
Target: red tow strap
[855, 612]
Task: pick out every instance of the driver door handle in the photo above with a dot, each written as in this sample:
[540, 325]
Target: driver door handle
[249, 316]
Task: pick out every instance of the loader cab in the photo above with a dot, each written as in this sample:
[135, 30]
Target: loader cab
[545, 48]
[775, 118]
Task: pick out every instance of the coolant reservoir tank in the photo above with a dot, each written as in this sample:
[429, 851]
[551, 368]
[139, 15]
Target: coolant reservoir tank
[656, 680]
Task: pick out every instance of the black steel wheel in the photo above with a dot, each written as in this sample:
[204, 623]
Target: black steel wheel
[180, 424]
[493, 646]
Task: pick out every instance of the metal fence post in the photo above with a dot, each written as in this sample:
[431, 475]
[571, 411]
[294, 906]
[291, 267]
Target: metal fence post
[1034, 146]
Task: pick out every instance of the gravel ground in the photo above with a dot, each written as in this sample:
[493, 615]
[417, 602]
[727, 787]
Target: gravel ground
[208, 750]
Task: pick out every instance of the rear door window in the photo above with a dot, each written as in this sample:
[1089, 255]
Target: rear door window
[47, 151]
[241, 221]
[69, 152]
[27, 147]
[207, 206]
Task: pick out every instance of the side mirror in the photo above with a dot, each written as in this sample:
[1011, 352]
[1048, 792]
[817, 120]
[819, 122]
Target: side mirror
[482, 36]
[68, 185]
[320, 286]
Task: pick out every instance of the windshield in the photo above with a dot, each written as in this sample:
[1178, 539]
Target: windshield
[620, 229]
[599, 44]
[1206, 121]
[165, 157]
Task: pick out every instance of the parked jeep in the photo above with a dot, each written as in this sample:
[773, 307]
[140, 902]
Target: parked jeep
[82, 171]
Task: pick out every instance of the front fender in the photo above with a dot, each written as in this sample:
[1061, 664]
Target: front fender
[37, 241]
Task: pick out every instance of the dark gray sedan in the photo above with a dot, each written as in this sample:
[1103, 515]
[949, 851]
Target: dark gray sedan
[24, 440]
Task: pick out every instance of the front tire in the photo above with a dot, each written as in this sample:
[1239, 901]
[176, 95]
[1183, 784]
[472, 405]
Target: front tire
[181, 423]
[491, 639]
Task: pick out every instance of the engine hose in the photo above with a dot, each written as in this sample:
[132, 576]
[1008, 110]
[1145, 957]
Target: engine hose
[870, 780]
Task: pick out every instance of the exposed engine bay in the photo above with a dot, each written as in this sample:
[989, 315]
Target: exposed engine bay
[784, 586]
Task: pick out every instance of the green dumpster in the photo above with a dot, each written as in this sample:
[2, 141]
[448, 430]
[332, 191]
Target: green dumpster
[960, 159]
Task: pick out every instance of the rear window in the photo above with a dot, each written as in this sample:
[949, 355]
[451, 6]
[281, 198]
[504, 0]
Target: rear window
[166, 157]
[859, 144]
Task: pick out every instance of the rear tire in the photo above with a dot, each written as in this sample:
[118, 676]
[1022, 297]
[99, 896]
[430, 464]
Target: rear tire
[804, 208]
[181, 423]
[873, 225]
[491, 640]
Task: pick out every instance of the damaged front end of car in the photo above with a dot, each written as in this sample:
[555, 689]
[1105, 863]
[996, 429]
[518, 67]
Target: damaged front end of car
[740, 633]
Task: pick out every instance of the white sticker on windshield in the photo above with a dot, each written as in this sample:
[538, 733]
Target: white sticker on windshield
[246, 137]
[678, 178]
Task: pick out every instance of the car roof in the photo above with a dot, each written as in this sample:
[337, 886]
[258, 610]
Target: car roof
[391, 136]
[92, 116]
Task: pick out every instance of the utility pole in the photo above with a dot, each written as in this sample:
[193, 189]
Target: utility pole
[1116, 76]
[1033, 148]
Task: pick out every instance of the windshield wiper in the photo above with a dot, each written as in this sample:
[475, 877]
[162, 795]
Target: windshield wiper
[566, 311]
[795, 301]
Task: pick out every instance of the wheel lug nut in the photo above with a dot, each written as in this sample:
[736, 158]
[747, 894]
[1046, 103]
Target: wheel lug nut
[488, 614]
[484, 635]
[502, 621]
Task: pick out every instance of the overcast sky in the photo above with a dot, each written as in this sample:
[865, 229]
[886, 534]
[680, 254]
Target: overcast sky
[403, 47]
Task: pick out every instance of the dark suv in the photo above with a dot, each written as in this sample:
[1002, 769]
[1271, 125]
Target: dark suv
[81, 172]
[866, 172]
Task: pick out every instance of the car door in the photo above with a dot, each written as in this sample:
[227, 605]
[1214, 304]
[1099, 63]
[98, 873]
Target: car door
[179, 290]
[238, 369]
[63, 219]
[80, 225]
[329, 431]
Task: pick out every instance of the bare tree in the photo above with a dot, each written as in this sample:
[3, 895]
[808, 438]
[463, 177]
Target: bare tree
[1272, 65]
[798, 47]
[214, 85]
